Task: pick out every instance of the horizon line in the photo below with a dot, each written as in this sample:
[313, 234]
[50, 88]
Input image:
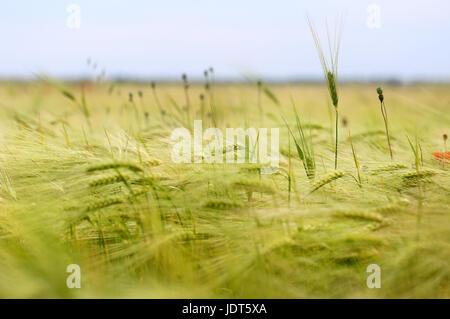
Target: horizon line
[228, 80]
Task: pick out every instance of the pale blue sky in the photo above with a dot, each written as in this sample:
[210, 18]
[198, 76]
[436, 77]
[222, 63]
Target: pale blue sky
[270, 39]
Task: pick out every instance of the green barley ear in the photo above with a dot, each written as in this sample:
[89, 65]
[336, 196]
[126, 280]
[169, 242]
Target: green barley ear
[389, 168]
[114, 165]
[326, 180]
[330, 71]
[224, 204]
[361, 215]
[107, 180]
[103, 204]
[331, 82]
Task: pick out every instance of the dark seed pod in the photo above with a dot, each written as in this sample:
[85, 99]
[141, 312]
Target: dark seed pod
[381, 97]
[379, 90]
[130, 97]
[445, 137]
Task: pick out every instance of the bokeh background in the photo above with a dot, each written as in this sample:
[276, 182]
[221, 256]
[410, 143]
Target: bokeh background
[269, 39]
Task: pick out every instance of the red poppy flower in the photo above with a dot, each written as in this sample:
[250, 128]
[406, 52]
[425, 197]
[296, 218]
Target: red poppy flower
[441, 156]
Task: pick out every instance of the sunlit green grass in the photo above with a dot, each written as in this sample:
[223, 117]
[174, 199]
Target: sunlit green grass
[152, 228]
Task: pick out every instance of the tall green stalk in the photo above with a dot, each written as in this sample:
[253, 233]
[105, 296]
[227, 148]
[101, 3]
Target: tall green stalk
[385, 118]
[444, 158]
[336, 145]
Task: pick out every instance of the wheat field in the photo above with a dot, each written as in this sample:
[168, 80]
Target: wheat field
[86, 178]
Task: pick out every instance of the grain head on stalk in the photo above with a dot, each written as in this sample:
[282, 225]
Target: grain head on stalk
[330, 69]
[330, 64]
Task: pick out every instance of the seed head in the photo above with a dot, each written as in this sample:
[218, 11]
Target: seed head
[211, 70]
[184, 77]
[205, 73]
[202, 97]
[380, 94]
[259, 83]
[331, 81]
[130, 97]
[140, 94]
[445, 137]
[153, 84]
[344, 122]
